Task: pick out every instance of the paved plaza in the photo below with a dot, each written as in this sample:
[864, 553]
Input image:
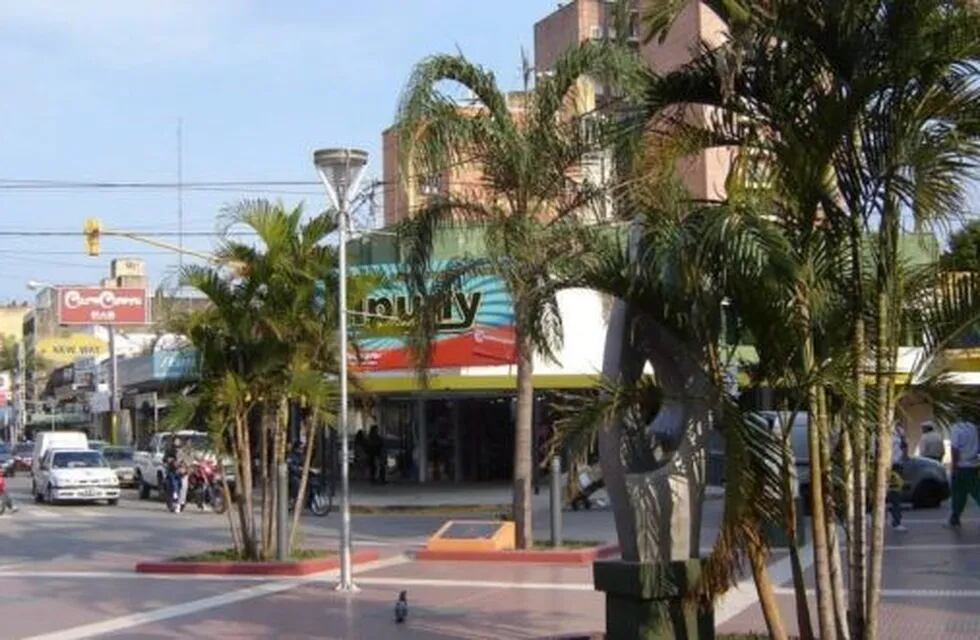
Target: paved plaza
[67, 572]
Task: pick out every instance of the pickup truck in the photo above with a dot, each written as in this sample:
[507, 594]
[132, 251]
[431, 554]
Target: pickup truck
[150, 470]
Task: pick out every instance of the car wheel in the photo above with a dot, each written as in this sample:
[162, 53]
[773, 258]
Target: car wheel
[143, 488]
[38, 498]
[49, 495]
[927, 495]
[112, 502]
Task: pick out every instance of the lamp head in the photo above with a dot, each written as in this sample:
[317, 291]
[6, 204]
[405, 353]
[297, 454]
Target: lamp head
[341, 170]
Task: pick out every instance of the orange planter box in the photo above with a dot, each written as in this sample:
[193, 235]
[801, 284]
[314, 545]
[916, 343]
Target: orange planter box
[473, 535]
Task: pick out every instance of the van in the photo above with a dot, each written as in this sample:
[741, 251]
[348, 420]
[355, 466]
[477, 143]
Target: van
[44, 440]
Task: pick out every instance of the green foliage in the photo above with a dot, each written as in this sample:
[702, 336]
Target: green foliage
[964, 249]
[524, 200]
[267, 337]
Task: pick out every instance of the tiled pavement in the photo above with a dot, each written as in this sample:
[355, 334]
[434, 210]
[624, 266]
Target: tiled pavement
[932, 582]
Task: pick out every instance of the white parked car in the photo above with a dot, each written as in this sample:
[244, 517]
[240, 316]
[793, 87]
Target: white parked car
[47, 440]
[75, 474]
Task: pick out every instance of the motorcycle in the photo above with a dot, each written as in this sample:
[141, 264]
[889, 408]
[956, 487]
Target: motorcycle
[319, 499]
[204, 486]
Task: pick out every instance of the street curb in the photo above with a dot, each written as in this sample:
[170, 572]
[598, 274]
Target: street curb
[298, 568]
[584, 556]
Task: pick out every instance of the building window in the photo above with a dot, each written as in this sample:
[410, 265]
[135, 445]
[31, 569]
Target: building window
[430, 186]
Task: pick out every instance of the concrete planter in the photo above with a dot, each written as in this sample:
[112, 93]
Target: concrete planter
[646, 601]
[224, 568]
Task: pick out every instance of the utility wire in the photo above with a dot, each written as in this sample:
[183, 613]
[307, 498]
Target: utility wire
[6, 233]
[9, 183]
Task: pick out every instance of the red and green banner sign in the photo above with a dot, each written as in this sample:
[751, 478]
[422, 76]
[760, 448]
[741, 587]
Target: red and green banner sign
[476, 325]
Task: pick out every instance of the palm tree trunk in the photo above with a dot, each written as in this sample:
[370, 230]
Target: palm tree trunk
[792, 535]
[266, 486]
[847, 454]
[857, 513]
[833, 542]
[885, 354]
[799, 589]
[246, 512]
[758, 559]
[882, 468]
[304, 476]
[523, 428]
[821, 556]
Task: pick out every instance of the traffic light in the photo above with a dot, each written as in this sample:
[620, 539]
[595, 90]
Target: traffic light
[93, 236]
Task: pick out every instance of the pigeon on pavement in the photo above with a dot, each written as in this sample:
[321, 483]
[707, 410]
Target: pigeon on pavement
[401, 607]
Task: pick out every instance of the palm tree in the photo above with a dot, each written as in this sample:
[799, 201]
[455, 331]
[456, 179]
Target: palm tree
[265, 341]
[850, 116]
[533, 193]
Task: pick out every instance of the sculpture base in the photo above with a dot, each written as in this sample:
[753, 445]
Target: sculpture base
[648, 601]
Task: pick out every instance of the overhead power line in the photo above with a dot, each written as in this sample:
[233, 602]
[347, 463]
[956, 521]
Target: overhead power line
[9, 183]
[158, 234]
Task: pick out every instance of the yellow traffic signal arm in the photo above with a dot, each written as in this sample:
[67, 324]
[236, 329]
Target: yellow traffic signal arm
[94, 231]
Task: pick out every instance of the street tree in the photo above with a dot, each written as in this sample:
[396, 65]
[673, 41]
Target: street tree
[266, 344]
[534, 181]
[848, 119]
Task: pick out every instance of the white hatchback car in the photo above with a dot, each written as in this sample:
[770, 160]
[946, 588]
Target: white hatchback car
[75, 474]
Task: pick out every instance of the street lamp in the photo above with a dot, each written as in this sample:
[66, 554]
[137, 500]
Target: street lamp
[341, 171]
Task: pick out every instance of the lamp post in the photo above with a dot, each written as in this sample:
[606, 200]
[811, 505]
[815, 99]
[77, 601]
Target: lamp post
[341, 171]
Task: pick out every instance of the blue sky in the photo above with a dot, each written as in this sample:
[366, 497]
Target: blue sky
[93, 91]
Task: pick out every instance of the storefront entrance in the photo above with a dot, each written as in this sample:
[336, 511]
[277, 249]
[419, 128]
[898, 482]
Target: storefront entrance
[465, 439]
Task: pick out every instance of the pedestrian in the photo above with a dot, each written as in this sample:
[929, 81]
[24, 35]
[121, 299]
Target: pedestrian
[8, 502]
[931, 443]
[965, 446]
[900, 453]
[362, 455]
[379, 459]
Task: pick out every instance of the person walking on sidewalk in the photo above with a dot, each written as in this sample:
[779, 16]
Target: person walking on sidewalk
[931, 443]
[965, 446]
[900, 453]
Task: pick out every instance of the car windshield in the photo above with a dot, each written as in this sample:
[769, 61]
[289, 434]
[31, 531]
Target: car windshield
[77, 460]
[24, 449]
[117, 454]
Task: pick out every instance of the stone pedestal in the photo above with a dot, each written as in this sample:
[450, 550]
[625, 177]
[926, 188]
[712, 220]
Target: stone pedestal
[652, 601]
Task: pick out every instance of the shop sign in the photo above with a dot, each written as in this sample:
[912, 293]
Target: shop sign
[476, 323]
[176, 364]
[68, 349]
[101, 305]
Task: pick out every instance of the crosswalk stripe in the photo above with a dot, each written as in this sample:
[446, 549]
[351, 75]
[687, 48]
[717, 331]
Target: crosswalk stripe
[41, 513]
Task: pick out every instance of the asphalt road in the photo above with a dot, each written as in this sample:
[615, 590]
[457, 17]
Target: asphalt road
[141, 529]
